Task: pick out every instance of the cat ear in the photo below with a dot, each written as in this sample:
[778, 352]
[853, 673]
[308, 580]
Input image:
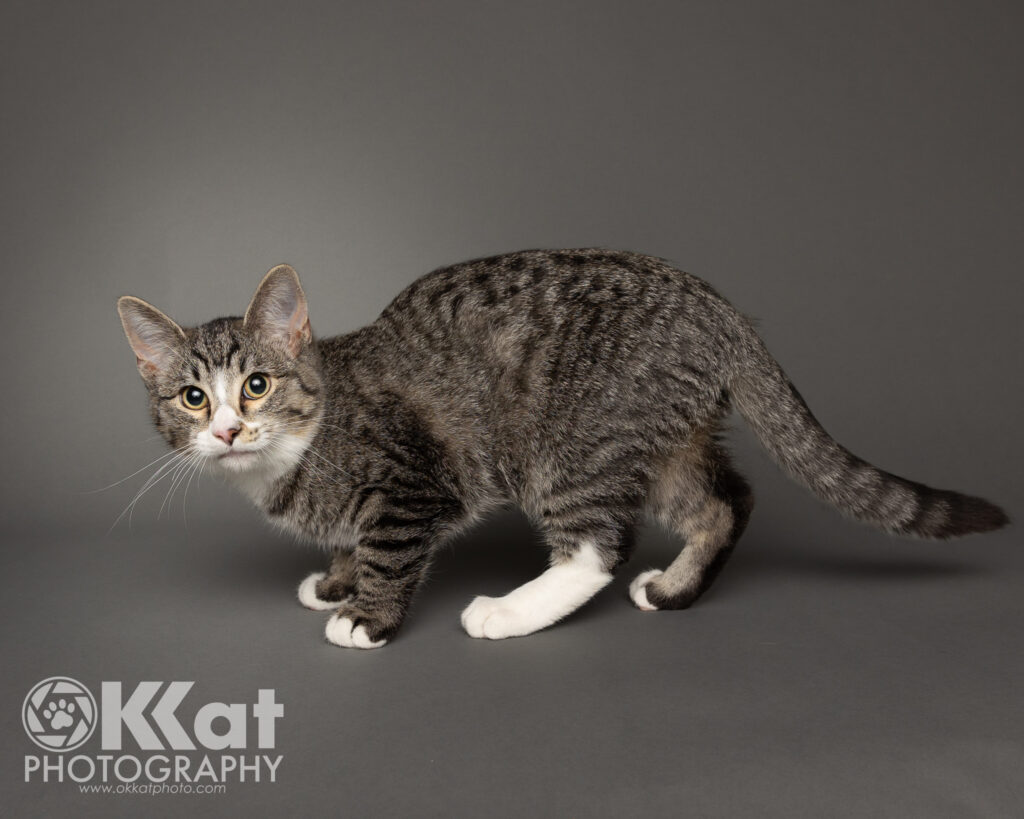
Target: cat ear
[278, 311]
[154, 337]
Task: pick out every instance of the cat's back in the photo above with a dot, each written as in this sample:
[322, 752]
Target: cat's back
[508, 355]
[546, 288]
[524, 323]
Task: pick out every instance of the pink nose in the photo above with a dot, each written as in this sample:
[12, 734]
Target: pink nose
[226, 435]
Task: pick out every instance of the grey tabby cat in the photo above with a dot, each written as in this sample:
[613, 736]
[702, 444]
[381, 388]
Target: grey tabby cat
[586, 386]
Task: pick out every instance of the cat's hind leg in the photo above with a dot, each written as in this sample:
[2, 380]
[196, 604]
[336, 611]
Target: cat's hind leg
[325, 591]
[700, 497]
[546, 599]
[582, 562]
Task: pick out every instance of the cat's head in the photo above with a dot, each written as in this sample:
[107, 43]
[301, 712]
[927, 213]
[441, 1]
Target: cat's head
[243, 393]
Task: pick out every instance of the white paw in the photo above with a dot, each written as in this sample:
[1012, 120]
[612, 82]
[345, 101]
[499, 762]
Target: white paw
[638, 589]
[492, 618]
[307, 594]
[340, 632]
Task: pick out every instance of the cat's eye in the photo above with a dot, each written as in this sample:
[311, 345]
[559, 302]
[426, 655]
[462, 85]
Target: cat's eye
[194, 398]
[256, 385]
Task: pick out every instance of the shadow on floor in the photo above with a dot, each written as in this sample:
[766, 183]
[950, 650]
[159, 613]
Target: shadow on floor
[505, 551]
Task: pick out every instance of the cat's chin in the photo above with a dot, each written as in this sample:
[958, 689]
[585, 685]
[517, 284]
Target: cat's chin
[238, 460]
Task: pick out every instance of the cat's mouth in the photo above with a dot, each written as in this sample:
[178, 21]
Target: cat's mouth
[238, 458]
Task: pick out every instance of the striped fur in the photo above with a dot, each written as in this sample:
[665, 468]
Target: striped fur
[585, 386]
[788, 430]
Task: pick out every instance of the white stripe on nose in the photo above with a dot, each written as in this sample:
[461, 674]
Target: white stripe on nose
[220, 388]
[225, 424]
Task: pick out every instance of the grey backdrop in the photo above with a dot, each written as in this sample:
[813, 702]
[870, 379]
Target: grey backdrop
[850, 174]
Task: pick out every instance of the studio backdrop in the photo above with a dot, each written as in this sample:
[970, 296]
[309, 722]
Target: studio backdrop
[848, 175]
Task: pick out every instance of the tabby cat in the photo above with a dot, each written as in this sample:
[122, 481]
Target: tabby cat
[586, 386]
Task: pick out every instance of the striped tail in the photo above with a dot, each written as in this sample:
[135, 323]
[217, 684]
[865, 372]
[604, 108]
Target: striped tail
[782, 421]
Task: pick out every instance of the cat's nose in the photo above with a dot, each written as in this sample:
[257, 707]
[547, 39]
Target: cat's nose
[225, 424]
[227, 435]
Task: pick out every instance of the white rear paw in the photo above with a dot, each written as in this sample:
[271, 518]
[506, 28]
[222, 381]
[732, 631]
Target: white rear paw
[638, 589]
[307, 594]
[489, 617]
[559, 591]
[340, 632]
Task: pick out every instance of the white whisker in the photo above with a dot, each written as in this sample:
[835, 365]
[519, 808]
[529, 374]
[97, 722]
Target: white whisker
[137, 471]
[176, 480]
[200, 466]
[162, 472]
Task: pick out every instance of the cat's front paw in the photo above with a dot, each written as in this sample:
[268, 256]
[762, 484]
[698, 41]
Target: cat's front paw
[307, 594]
[320, 593]
[353, 629]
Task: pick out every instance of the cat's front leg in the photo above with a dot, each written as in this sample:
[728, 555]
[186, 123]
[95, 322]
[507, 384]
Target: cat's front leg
[387, 576]
[325, 591]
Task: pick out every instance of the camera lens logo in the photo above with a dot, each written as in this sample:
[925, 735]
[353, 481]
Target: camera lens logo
[59, 714]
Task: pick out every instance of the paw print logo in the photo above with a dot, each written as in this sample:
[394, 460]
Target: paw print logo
[59, 714]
